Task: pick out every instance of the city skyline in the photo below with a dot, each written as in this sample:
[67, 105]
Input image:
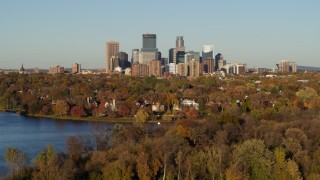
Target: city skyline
[43, 34]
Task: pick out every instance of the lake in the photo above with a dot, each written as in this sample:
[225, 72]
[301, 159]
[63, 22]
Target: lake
[33, 134]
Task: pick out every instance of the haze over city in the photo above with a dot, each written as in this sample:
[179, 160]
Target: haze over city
[47, 33]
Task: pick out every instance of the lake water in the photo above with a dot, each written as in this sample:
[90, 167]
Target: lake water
[33, 134]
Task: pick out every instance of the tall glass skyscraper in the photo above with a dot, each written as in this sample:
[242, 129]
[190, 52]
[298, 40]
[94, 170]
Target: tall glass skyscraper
[149, 49]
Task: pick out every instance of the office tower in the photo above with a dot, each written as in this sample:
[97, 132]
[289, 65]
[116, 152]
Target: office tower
[159, 56]
[208, 66]
[191, 55]
[207, 52]
[155, 68]
[114, 62]
[112, 49]
[221, 63]
[123, 60]
[149, 49]
[217, 59]
[194, 68]
[180, 44]
[164, 61]
[76, 68]
[135, 56]
[180, 50]
[139, 70]
[182, 69]
[286, 66]
[172, 55]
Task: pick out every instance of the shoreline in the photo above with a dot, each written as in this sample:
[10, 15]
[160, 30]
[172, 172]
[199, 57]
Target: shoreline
[129, 120]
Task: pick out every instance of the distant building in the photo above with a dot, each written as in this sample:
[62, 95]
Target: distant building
[135, 56]
[173, 55]
[234, 68]
[194, 68]
[164, 61]
[112, 49]
[192, 55]
[182, 69]
[207, 52]
[286, 66]
[114, 62]
[208, 66]
[149, 49]
[172, 68]
[139, 70]
[159, 56]
[22, 70]
[123, 60]
[155, 68]
[180, 44]
[56, 69]
[76, 68]
[216, 62]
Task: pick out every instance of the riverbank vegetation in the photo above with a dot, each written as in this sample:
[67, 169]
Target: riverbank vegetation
[235, 127]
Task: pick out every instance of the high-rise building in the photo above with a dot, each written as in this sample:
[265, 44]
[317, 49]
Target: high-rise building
[159, 56]
[114, 62]
[180, 44]
[286, 66]
[173, 55]
[76, 68]
[164, 61]
[149, 49]
[112, 49]
[191, 55]
[182, 69]
[135, 56]
[139, 70]
[216, 62]
[207, 52]
[194, 68]
[155, 68]
[180, 57]
[208, 66]
[180, 50]
[171, 68]
[123, 60]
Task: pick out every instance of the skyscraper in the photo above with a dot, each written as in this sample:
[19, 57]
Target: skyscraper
[149, 49]
[180, 43]
[172, 55]
[76, 68]
[112, 49]
[216, 62]
[123, 60]
[207, 52]
[180, 50]
[135, 56]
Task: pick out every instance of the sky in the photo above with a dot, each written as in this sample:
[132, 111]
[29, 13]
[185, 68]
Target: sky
[44, 33]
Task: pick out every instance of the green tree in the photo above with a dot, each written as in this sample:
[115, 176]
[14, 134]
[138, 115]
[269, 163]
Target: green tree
[142, 116]
[254, 158]
[61, 108]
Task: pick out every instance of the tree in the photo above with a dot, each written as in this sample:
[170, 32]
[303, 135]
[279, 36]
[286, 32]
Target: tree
[254, 158]
[61, 108]
[142, 116]
[45, 165]
[77, 111]
[16, 160]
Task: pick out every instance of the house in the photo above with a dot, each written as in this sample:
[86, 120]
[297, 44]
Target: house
[190, 103]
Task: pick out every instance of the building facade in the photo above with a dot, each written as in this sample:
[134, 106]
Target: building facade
[182, 69]
[194, 68]
[207, 52]
[112, 49]
[135, 56]
[149, 49]
[139, 70]
[208, 66]
[56, 69]
[76, 68]
[155, 68]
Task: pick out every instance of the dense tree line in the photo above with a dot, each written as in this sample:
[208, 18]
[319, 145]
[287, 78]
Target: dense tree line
[247, 127]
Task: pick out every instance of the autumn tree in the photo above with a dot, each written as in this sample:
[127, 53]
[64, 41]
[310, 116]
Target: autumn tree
[61, 108]
[16, 160]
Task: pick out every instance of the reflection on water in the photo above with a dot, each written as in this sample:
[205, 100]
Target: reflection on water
[33, 134]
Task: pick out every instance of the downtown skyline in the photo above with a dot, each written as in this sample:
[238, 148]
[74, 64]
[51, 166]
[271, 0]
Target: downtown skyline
[42, 34]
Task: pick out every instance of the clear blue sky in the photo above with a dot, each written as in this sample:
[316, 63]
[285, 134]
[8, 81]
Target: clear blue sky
[43, 33]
